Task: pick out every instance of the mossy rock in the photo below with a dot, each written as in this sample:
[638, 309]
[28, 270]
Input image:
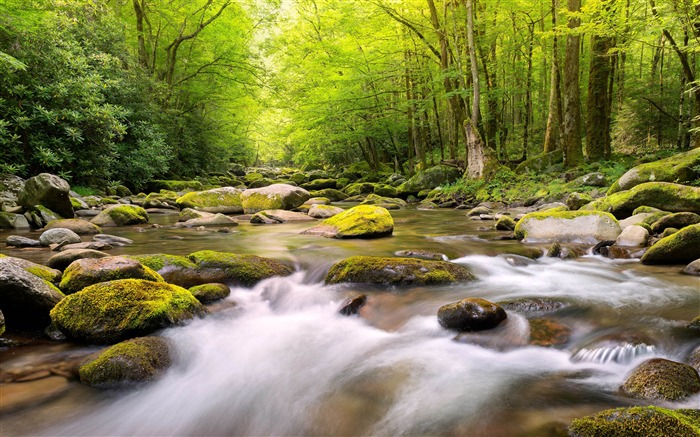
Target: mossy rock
[359, 188]
[320, 184]
[324, 211]
[588, 227]
[663, 195]
[66, 257]
[575, 200]
[47, 190]
[121, 215]
[679, 168]
[158, 184]
[681, 247]
[130, 362]
[384, 202]
[225, 200]
[396, 271]
[540, 163]
[276, 196]
[362, 221]
[548, 333]
[471, 314]
[79, 226]
[109, 312]
[645, 210]
[678, 220]
[299, 178]
[89, 271]
[505, 223]
[431, 178]
[333, 195]
[211, 292]
[638, 422]
[386, 191]
[653, 217]
[237, 269]
[9, 220]
[660, 379]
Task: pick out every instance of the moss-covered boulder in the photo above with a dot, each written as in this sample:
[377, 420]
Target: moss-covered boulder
[25, 298]
[47, 190]
[225, 200]
[319, 184]
[211, 292]
[79, 226]
[48, 274]
[275, 196]
[333, 195]
[678, 248]
[663, 195]
[359, 188]
[471, 314]
[324, 211]
[505, 223]
[217, 219]
[678, 220]
[396, 271]
[429, 179]
[156, 185]
[575, 200]
[121, 215]
[178, 270]
[130, 362]
[386, 191]
[10, 220]
[540, 163]
[589, 227]
[362, 221]
[237, 269]
[680, 168]
[65, 257]
[638, 422]
[384, 202]
[89, 271]
[660, 379]
[39, 216]
[161, 199]
[113, 311]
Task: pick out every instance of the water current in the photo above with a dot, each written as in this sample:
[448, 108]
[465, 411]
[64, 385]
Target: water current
[283, 362]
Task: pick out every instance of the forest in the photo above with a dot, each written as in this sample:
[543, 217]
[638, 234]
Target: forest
[107, 92]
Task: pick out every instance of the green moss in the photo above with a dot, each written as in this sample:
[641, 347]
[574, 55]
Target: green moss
[638, 422]
[160, 261]
[520, 232]
[48, 274]
[362, 221]
[121, 215]
[131, 361]
[645, 209]
[668, 231]
[158, 184]
[396, 271]
[662, 380]
[678, 248]
[206, 293]
[112, 311]
[663, 195]
[211, 198]
[505, 223]
[86, 272]
[243, 269]
[677, 168]
[654, 217]
[333, 195]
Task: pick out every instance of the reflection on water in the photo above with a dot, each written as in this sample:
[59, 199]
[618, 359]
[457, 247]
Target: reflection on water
[284, 362]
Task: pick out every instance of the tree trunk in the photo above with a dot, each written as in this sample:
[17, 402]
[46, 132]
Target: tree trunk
[141, 39]
[571, 138]
[551, 136]
[598, 121]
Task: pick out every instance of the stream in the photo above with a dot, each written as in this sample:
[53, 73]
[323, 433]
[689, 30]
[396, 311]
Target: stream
[283, 362]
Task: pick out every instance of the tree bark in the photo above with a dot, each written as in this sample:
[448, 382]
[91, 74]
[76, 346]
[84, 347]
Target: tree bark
[551, 136]
[571, 138]
[598, 121]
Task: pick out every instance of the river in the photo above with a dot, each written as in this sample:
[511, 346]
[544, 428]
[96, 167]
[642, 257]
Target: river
[283, 362]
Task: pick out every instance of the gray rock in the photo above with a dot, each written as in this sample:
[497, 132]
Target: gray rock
[634, 220]
[477, 211]
[47, 190]
[112, 239]
[58, 236]
[10, 186]
[279, 216]
[693, 268]
[633, 236]
[13, 221]
[19, 241]
[93, 245]
[586, 227]
[214, 220]
[323, 211]
[593, 180]
[276, 196]
[64, 258]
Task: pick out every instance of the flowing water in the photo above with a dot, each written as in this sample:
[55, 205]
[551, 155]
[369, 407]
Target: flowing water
[283, 362]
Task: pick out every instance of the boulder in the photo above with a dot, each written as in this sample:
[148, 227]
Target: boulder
[189, 214]
[164, 199]
[58, 236]
[206, 293]
[276, 196]
[384, 202]
[505, 223]
[680, 168]
[636, 219]
[663, 195]
[47, 190]
[225, 200]
[396, 271]
[429, 179]
[661, 379]
[129, 362]
[174, 269]
[633, 236]
[88, 271]
[678, 248]
[318, 201]
[575, 200]
[359, 188]
[39, 216]
[362, 221]
[324, 211]
[638, 422]
[48, 274]
[595, 179]
[10, 187]
[64, 258]
[91, 245]
[25, 299]
[279, 216]
[678, 220]
[121, 215]
[693, 268]
[236, 269]
[10, 220]
[112, 239]
[79, 226]
[19, 241]
[333, 195]
[320, 184]
[213, 220]
[471, 314]
[588, 227]
[351, 306]
[421, 254]
[113, 311]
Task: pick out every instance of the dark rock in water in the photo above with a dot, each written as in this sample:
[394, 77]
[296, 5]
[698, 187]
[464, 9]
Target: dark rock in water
[660, 379]
[695, 323]
[505, 223]
[534, 306]
[47, 190]
[396, 271]
[517, 260]
[2, 323]
[471, 314]
[131, 361]
[548, 333]
[211, 292]
[19, 241]
[598, 247]
[64, 258]
[352, 305]
[510, 334]
[638, 422]
[421, 254]
[615, 252]
[554, 250]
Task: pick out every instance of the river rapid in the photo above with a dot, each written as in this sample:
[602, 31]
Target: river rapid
[283, 362]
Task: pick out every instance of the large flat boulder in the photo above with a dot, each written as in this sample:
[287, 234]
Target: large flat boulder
[396, 271]
[429, 179]
[586, 227]
[362, 221]
[88, 271]
[236, 269]
[679, 168]
[638, 421]
[79, 226]
[121, 215]
[275, 196]
[679, 248]
[224, 200]
[662, 195]
[47, 190]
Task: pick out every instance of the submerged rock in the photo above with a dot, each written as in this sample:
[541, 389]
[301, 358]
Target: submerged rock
[19, 241]
[471, 314]
[362, 221]
[113, 311]
[588, 227]
[351, 306]
[396, 271]
[638, 422]
[663, 380]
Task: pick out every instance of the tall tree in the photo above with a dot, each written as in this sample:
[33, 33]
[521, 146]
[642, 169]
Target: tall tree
[571, 120]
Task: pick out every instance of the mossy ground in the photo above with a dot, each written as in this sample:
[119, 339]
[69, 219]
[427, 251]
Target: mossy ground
[638, 422]
[396, 271]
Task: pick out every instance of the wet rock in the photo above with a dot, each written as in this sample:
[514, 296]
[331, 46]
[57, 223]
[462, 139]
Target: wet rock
[39, 216]
[534, 306]
[16, 396]
[112, 239]
[362, 221]
[273, 216]
[130, 362]
[548, 333]
[58, 236]
[64, 258]
[695, 323]
[617, 347]
[663, 195]
[324, 211]
[225, 200]
[633, 236]
[677, 168]
[554, 250]
[679, 248]
[616, 252]
[113, 311]
[575, 200]
[48, 274]
[213, 220]
[421, 254]
[211, 292]
[88, 271]
[237, 269]
[10, 220]
[587, 227]
[637, 422]
[396, 271]
[174, 269]
[478, 210]
[121, 215]
[384, 202]
[19, 241]
[275, 196]
[660, 379]
[25, 299]
[471, 314]
[79, 226]
[678, 220]
[505, 223]
[91, 245]
[47, 190]
[351, 306]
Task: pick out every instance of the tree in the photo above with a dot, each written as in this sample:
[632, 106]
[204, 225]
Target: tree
[571, 120]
